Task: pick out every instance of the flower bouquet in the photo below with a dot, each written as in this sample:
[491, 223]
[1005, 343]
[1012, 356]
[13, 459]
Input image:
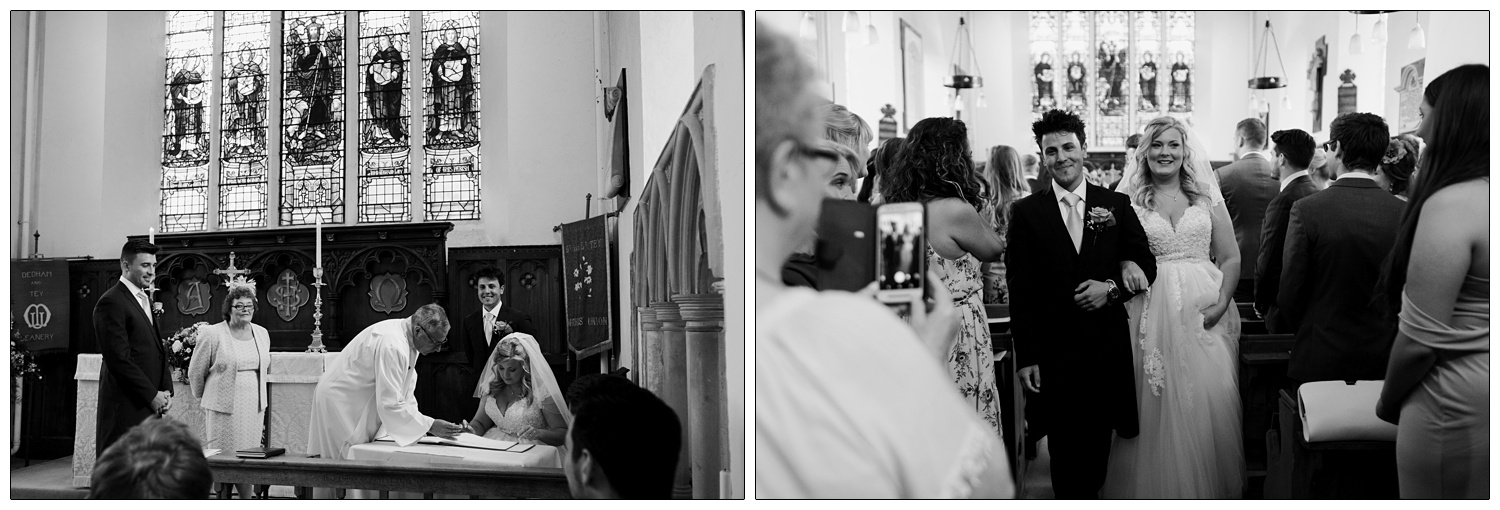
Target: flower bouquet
[180, 349]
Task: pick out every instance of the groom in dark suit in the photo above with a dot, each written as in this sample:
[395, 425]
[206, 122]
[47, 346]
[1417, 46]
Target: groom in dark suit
[1069, 246]
[134, 383]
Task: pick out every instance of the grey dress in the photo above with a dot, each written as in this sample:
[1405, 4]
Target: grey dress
[1443, 440]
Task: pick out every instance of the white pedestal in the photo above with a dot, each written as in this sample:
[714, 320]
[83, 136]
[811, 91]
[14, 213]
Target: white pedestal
[292, 377]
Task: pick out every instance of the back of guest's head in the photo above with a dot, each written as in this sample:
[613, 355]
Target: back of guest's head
[844, 127]
[1361, 137]
[136, 246]
[935, 163]
[1003, 171]
[880, 161]
[1458, 150]
[1058, 121]
[1031, 161]
[489, 272]
[1253, 131]
[1296, 145]
[158, 459]
[632, 436]
[784, 109]
[1398, 163]
[432, 318]
[1134, 141]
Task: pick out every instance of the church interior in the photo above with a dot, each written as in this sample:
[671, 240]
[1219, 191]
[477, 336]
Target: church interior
[1212, 71]
[358, 165]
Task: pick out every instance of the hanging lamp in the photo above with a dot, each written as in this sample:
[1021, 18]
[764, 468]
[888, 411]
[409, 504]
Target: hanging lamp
[851, 22]
[871, 36]
[963, 39]
[1378, 33]
[1418, 38]
[1263, 81]
[809, 26]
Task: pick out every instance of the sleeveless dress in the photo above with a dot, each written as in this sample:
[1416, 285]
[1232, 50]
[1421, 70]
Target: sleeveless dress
[244, 427]
[1443, 439]
[1186, 386]
[517, 416]
[972, 361]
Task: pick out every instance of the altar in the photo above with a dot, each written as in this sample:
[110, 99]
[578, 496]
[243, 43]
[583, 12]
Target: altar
[291, 379]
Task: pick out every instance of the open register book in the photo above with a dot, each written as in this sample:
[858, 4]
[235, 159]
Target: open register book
[468, 440]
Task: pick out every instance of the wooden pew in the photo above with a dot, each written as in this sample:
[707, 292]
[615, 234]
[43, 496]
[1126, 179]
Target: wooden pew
[1329, 469]
[1012, 400]
[1262, 372]
[299, 471]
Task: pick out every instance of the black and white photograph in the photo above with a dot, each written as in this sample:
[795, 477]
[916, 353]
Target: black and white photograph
[1155, 268]
[350, 254]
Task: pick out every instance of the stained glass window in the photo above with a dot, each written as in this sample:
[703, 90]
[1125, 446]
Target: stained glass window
[1115, 69]
[243, 161]
[312, 123]
[384, 117]
[450, 86]
[185, 143]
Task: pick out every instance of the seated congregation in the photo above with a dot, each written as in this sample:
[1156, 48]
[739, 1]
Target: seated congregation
[1307, 321]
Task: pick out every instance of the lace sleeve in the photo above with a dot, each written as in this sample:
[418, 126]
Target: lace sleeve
[979, 451]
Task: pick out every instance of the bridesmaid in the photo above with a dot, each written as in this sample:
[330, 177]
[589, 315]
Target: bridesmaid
[228, 372]
[1438, 377]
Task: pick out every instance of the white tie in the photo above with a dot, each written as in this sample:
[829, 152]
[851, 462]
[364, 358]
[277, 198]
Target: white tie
[1074, 223]
[489, 328]
[145, 305]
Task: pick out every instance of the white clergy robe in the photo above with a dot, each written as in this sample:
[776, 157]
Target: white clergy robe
[369, 390]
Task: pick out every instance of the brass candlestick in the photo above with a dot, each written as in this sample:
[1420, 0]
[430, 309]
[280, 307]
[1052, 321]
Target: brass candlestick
[317, 333]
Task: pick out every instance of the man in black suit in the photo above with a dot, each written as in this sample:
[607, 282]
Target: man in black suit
[1248, 185]
[1066, 263]
[1294, 152]
[482, 329]
[135, 382]
[1335, 243]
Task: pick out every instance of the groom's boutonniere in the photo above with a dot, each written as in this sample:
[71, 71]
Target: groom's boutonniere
[1101, 218]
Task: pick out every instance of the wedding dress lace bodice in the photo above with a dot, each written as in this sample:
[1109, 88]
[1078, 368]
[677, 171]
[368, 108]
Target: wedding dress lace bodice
[1188, 241]
[517, 417]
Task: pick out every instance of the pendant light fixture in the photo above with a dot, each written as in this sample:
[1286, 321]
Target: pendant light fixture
[963, 40]
[851, 22]
[809, 26]
[1263, 81]
[1378, 34]
[1356, 46]
[1418, 38]
[871, 36]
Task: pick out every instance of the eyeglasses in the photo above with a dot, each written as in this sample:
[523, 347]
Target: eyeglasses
[1328, 145]
[436, 341]
[243, 308]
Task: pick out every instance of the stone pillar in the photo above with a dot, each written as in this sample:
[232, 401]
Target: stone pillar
[673, 388]
[649, 355]
[707, 432]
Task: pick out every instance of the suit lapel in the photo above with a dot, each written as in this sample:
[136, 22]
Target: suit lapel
[1053, 224]
[1096, 196]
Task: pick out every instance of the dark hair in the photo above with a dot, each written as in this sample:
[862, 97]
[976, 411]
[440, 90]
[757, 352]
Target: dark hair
[1133, 141]
[1398, 163]
[1296, 145]
[1458, 151]
[1059, 121]
[158, 459]
[489, 272]
[1362, 138]
[1253, 130]
[237, 292]
[631, 434]
[935, 163]
[880, 160]
[136, 246]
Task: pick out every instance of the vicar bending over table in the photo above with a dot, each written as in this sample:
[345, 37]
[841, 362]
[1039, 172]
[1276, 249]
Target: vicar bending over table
[369, 389]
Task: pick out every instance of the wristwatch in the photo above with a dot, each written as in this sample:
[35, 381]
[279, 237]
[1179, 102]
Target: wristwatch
[1114, 291]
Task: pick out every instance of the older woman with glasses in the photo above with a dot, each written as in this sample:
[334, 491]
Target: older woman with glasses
[228, 372]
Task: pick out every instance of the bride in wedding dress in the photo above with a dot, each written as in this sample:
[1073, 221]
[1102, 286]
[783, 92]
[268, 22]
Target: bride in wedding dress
[519, 397]
[1185, 327]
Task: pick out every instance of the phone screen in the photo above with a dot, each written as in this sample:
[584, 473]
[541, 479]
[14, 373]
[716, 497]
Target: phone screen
[903, 248]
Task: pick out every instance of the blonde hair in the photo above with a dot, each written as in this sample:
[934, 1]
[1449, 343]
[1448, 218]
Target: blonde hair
[510, 350]
[1145, 193]
[1003, 174]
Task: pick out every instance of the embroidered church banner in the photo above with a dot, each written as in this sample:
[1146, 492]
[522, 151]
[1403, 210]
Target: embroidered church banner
[587, 285]
[39, 303]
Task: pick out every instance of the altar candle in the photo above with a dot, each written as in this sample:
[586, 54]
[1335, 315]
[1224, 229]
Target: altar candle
[151, 235]
[318, 261]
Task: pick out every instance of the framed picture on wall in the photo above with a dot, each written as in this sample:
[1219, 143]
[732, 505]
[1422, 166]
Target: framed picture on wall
[911, 76]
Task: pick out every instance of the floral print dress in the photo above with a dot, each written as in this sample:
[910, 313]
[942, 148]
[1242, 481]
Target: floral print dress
[972, 360]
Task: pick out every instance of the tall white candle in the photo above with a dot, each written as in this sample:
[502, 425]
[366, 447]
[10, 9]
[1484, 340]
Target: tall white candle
[318, 261]
[151, 235]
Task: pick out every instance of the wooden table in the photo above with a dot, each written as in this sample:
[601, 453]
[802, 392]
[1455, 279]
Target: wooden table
[299, 471]
[1262, 373]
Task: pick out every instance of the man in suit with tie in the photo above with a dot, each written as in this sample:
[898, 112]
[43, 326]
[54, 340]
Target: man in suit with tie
[1336, 241]
[482, 329]
[135, 382]
[1248, 185]
[1293, 150]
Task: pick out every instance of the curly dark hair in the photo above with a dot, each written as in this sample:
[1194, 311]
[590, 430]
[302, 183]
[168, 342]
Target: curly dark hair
[1059, 121]
[1398, 163]
[935, 163]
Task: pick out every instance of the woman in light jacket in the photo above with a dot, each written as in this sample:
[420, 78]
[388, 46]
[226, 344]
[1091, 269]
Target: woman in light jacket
[228, 373]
